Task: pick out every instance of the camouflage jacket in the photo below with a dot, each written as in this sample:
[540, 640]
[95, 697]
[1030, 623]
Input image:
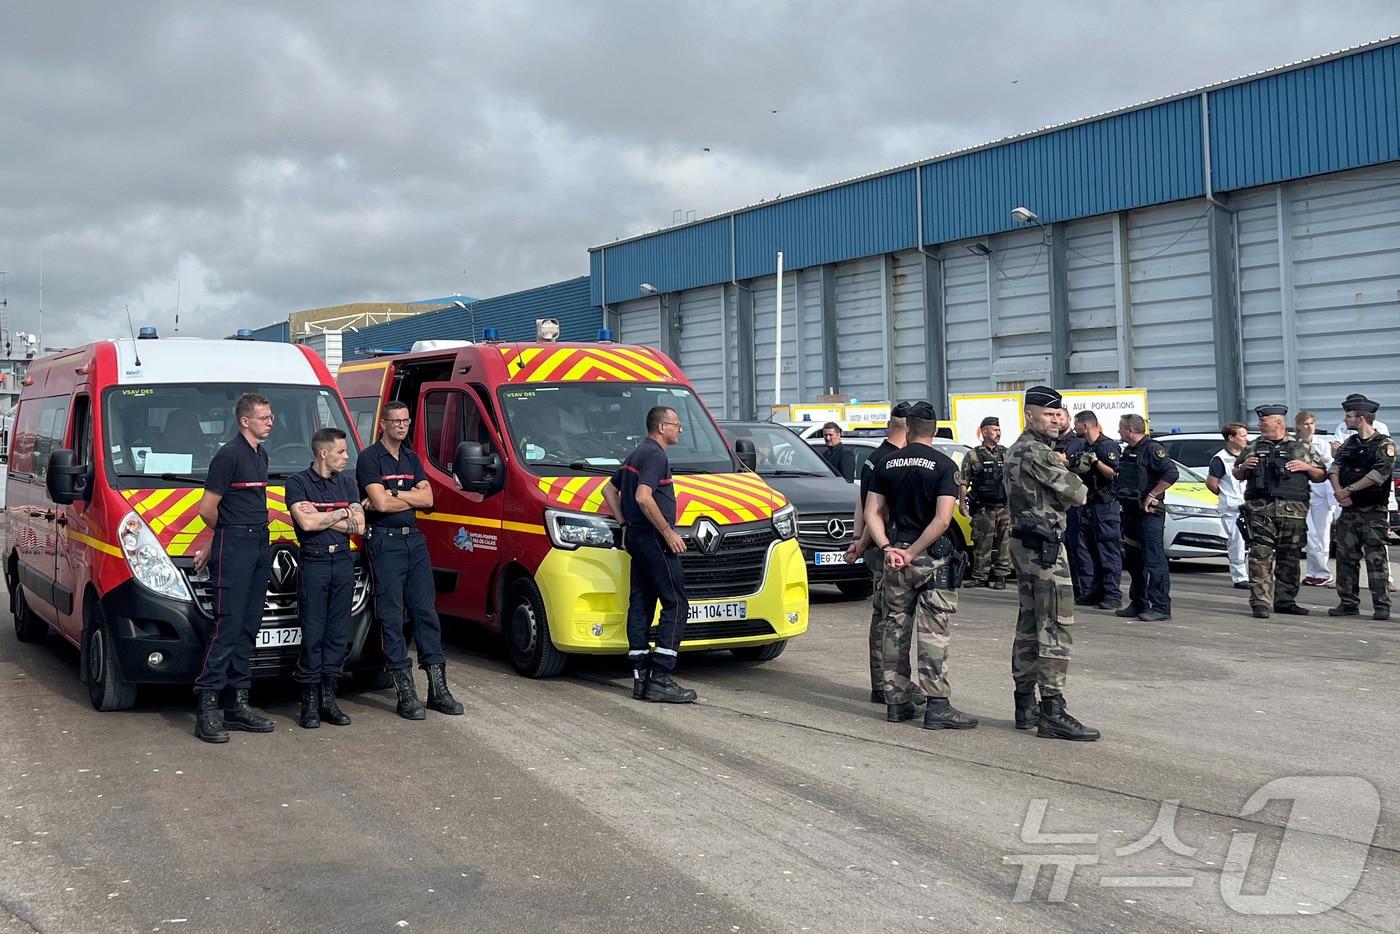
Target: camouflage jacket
[1276, 507]
[1039, 487]
[1377, 453]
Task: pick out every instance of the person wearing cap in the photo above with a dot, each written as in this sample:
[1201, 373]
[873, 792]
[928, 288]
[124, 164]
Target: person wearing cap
[841, 459]
[982, 495]
[908, 512]
[1342, 432]
[896, 435]
[1360, 476]
[1275, 514]
[1144, 474]
[1095, 530]
[1040, 488]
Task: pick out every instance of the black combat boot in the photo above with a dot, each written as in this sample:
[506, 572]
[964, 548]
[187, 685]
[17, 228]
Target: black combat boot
[1056, 723]
[1382, 613]
[999, 583]
[209, 719]
[1344, 610]
[662, 689]
[1260, 611]
[310, 718]
[239, 716]
[410, 708]
[1026, 712]
[898, 713]
[439, 697]
[1129, 612]
[941, 715]
[330, 710]
[1291, 609]
[1087, 601]
[641, 670]
[877, 695]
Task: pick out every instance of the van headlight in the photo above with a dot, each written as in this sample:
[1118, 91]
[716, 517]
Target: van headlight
[149, 563]
[1182, 511]
[572, 529]
[785, 522]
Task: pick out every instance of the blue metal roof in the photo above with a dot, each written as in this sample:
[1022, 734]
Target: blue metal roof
[1328, 114]
[281, 332]
[446, 300]
[513, 314]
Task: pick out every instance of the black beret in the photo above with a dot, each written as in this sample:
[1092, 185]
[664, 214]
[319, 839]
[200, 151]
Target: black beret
[1044, 396]
[920, 409]
[1356, 402]
[990, 421]
[1262, 410]
[900, 410]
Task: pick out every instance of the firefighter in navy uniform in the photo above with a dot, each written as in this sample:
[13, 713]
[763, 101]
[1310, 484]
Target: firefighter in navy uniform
[1361, 475]
[325, 506]
[392, 480]
[239, 559]
[1275, 513]
[982, 496]
[1144, 474]
[642, 497]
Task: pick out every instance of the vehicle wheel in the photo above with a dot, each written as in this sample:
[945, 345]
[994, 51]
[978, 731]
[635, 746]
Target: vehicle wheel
[107, 689]
[855, 590]
[526, 631]
[28, 627]
[760, 653]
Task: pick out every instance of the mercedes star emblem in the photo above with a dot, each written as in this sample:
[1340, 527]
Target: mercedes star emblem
[836, 529]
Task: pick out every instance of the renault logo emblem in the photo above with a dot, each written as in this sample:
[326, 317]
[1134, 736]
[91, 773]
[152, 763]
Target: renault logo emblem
[284, 570]
[836, 529]
[707, 536]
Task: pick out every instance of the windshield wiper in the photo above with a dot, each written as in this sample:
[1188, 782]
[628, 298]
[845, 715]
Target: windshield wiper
[790, 473]
[578, 465]
[170, 477]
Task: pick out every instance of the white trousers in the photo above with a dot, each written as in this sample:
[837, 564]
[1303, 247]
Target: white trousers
[1322, 510]
[1239, 563]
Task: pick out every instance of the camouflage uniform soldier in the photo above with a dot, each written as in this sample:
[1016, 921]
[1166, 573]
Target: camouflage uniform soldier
[980, 490]
[895, 437]
[1360, 475]
[1275, 513]
[1039, 489]
[908, 513]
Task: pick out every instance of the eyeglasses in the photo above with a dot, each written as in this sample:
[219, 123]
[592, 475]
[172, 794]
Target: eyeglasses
[397, 421]
[671, 424]
[261, 418]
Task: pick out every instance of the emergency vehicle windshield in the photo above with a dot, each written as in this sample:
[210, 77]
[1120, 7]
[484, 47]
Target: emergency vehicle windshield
[166, 435]
[590, 428]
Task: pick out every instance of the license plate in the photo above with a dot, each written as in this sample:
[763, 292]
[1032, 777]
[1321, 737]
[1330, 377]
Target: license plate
[705, 612]
[832, 557]
[277, 638]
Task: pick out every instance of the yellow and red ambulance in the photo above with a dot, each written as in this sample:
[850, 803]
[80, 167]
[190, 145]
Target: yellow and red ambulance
[518, 439]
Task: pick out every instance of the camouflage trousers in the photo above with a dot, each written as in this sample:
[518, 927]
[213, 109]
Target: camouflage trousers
[1276, 547]
[1044, 624]
[875, 560]
[913, 606]
[1361, 534]
[991, 541]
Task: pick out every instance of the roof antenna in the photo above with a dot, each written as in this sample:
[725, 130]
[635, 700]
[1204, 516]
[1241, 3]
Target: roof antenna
[135, 344]
[177, 306]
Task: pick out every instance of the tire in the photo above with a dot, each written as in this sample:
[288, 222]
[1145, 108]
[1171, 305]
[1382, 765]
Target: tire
[760, 653]
[28, 626]
[107, 689]
[525, 629]
[855, 590]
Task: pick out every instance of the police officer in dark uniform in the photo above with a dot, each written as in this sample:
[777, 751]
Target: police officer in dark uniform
[642, 496]
[1361, 476]
[1144, 473]
[1095, 533]
[391, 477]
[239, 559]
[325, 505]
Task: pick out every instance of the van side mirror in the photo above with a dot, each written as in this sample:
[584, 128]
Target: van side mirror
[475, 469]
[66, 481]
[747, 453]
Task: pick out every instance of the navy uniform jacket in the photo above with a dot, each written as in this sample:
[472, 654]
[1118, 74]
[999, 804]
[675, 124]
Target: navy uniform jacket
[238, 473]
[327, 494]
[377, 465]
[649, 466]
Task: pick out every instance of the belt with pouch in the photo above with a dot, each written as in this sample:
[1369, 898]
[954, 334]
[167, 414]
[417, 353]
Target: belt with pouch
[391, 530]
[313, 550]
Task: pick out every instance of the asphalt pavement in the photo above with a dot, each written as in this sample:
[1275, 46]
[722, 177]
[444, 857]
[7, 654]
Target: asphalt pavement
[783, 801]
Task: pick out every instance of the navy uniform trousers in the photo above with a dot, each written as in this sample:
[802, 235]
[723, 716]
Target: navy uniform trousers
[403, 580]
[656, 575]
[1096, 551]
[240, 563]
[1145, 558]
[325, 592]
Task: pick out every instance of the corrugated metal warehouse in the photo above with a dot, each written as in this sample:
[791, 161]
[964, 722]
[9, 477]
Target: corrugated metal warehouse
[1222, 248]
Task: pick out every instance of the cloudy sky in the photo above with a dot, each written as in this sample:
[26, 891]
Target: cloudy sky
[277, 156]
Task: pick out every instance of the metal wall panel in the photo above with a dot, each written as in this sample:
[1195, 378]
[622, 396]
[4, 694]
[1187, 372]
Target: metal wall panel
[1124, 161]
[1338, 114]
[639, 322]
[1172, 333]
[907, 322]
[1261, 319]
[671, 260]
[765, 331]
[1345, 252]
[1021, 300]
[965, 310]
[734, 405]
[863, 218]
[701, 343]
[1093, 336]
[860, 330]
[813, 381]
